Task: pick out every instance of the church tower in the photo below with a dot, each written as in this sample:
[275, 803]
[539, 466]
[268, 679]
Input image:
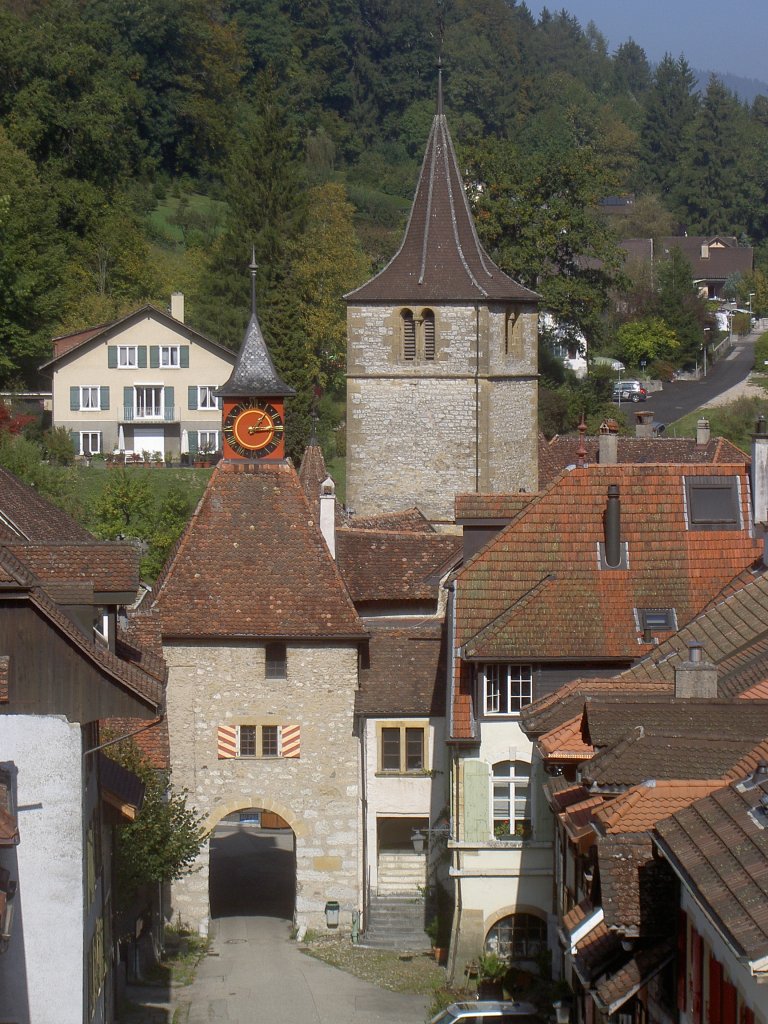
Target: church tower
[442, 361]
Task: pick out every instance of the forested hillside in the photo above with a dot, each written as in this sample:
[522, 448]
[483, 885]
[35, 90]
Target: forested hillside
[146, 146]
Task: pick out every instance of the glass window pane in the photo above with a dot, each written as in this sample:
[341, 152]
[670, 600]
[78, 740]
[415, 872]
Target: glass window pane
[414, 749]
[247, 741]
[269, 741]
[390, 750]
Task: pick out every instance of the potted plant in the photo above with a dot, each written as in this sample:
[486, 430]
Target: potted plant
[490, 983]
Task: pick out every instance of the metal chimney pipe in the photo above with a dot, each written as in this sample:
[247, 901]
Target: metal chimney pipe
[613, 527]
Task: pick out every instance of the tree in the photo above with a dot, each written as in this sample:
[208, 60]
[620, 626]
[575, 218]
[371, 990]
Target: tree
[646, 340]
[166, 837]
[679, 303]
[670, 107]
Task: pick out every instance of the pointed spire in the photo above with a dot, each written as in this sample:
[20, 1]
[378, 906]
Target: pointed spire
[440, 258]
[254, 375]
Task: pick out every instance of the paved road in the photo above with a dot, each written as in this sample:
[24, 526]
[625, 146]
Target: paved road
[683, 396]
[254, 973]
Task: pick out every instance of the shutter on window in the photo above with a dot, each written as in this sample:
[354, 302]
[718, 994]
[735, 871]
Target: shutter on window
[290, 736]
[682, 961]
[104, 400]
[192, 396]
[227, 741]
[112, 357]
[75, 439]
[169, 403]
[477, 796]
[141, 358]
[74, 398]
[715, 1014]
[154, 357]
[193, 442]
[128, 403]
[696, 976]
[729, 1003]
[184, 357]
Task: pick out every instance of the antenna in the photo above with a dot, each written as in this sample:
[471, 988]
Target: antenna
[253, 267]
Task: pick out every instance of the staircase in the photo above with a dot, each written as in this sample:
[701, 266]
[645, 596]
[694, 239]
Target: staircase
[396, 922]
[401, 872]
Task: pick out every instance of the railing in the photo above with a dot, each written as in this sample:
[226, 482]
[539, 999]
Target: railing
[150, 414]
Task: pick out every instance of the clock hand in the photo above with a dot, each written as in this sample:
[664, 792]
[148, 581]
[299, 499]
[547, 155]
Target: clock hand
[259, 430]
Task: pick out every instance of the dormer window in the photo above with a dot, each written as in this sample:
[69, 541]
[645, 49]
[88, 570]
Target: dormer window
[712, 502]
[506, 688]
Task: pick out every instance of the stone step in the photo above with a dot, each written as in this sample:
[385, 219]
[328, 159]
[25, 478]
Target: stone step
[396, 922]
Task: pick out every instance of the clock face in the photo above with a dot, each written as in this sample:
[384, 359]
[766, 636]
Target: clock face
[253, 428]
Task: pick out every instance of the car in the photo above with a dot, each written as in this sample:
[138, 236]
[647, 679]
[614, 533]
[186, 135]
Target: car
[483, 1011]
[628, 391]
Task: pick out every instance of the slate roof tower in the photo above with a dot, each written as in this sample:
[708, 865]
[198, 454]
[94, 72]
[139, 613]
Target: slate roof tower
[441, 360]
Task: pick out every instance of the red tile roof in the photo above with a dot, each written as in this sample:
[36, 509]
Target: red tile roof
[498, 507]
[152, 741]
[639, 808]
[379, 566]
[111, 566]
[26, 516]
[612, 991]
[636, 890]
[404, 673]
[565, 742]
[408, 520]
[252, 563]
[537, 591]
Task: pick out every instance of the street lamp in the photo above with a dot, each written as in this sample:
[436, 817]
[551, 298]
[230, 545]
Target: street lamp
[704, 347]
[751, 296]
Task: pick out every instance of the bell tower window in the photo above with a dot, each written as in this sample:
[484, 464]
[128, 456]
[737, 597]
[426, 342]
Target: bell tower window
[409, 335]
[513, 334]
[428, 330]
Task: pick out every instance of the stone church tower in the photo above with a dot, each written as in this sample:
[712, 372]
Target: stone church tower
[441, 361]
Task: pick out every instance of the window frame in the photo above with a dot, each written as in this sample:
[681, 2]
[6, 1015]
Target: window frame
[253, 739]
[90, 434]
[127, 363]
[697, 518]
[276, 660]
[170, 350]
[530, 941]
[406, 732]
[159, 409]
[515, 783]
[270, 741]
[503, 686]
[202, 402]
[91, 388]
[213, 446]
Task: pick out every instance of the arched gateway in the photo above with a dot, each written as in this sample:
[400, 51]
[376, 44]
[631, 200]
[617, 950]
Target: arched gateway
[261, 642]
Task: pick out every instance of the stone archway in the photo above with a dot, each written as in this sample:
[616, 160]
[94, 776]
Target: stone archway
[252, 864]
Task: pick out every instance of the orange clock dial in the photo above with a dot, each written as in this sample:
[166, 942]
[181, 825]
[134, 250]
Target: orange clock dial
[253, 429]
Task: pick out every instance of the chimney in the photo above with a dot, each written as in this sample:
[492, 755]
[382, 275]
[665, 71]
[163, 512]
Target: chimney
[328, 514]
[696, 677]
[608, 445]
[643, 424]
[702, 433]
[612, 527]
[177, 306]
[759, 472]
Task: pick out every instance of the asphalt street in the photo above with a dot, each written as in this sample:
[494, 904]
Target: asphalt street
[683, 396]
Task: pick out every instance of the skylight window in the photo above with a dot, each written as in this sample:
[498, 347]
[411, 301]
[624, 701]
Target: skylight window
[712, 503]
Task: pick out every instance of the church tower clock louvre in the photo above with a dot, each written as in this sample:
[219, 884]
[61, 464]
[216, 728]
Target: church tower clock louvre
[442, 363]
[253, 399]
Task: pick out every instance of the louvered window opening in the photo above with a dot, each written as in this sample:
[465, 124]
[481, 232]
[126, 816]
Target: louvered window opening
[409, 336]
[429, 335]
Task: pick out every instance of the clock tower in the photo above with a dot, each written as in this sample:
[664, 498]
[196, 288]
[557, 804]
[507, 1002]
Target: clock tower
[253, 399]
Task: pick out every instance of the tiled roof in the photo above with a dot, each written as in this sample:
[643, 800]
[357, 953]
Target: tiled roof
[252, 563]
[383, 566]
[110, 566]
[639, 808]
[68, 343]
[565, 743]
[721, 851]
[537, 591]
[490, 506]
[562, 794]
[636, 891]
[563, 451]
[405, 671]
[25, 515]
[147, 687]
[440, 258]
[556, 708]
[312, 472]
[595, 952]
[254, 374]
[153, 742]
[612, 991]
[409, 520]
[578, 913]
[716, 719]
[577, 819]
[721, 262]
[143, 630]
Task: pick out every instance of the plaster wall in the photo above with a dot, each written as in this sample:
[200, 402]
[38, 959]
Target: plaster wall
[87, 366]
[42, 972]
[402, 796]
[317, 793]
[750, 992]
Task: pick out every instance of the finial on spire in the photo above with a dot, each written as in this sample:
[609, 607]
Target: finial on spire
[581, 454]
[253, 267]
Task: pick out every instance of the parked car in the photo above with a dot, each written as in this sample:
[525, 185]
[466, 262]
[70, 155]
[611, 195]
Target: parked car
[482, 1011]
[629, 391]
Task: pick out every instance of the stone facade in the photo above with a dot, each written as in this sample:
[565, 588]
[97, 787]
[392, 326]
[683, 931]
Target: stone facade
[317, 793]
[420, 430]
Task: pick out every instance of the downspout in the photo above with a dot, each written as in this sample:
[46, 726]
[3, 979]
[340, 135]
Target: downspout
[477, 398]
[454, 805]
[362, 919]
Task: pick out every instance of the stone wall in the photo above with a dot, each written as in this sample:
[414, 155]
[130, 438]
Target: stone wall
[316, 793]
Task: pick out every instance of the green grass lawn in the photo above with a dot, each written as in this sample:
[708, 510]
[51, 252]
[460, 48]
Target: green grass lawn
[179, 220]
[90, 481]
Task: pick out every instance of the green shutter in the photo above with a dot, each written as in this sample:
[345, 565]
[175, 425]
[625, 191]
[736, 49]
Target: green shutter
[192, 397]
[142, 357]
[75, 439]
[128, 403]
[184, 357]
[104, 401]
[74, 399]
[112, 357]
[477, 800]
[154, 357]
[168, 394]
[193, 442]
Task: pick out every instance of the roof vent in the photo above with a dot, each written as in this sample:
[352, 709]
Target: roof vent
[612, 527]
[702, 433]
[696, 677]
